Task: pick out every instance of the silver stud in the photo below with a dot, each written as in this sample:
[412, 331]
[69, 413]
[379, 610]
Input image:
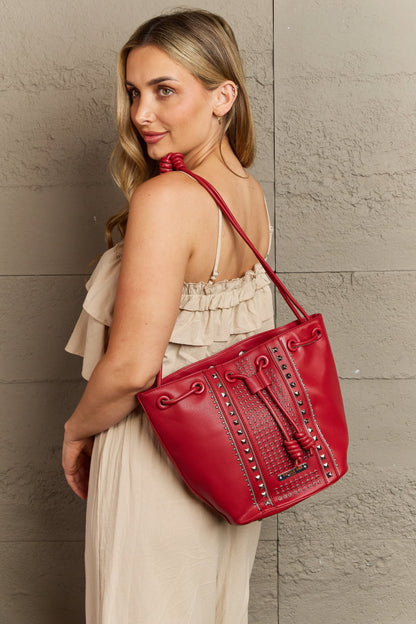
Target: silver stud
[288, 375]
[274, 349]
[235, 422]
[232, 413]
[329, 474]
[254, 468]
[214, 375]
[300, 402]
[239, 432]
[250, 459]
[261, 485]
[284, 367]
[326, 466]
[319, 447]
[315, 438]
[223, 394]
[279, 358]
[243, 441]
[247, 450]
[303, 412]
[322, 456]
[227, 404]
[306, 420]
[219, 385]
[263, 493]
[310, 429]
[257, 477]
[292, 384]
[296, 393]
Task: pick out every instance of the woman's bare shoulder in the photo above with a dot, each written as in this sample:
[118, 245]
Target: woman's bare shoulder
[173, 189]
[254, 185]
[164, 206]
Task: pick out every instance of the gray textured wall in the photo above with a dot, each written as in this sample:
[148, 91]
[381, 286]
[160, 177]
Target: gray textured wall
[345, 204]
[340, 164]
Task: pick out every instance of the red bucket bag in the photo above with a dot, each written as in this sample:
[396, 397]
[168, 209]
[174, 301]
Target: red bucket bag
[259, 426]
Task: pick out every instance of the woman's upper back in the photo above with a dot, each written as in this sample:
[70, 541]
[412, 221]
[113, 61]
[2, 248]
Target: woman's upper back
[215, 243]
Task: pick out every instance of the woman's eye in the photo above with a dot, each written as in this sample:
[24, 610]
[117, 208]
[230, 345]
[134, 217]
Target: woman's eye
[133, 94]
[165, 91]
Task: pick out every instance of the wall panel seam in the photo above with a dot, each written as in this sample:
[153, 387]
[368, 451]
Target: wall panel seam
[275, 192]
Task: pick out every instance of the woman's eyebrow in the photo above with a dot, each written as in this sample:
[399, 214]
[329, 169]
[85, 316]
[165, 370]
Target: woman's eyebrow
[160, 79]
[154, 81]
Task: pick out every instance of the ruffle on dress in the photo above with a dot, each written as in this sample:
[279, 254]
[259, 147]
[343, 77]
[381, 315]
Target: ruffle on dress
[88, 338]
[209, 314]
[214, 312]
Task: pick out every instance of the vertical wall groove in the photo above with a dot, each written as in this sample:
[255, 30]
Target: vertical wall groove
[275, 224]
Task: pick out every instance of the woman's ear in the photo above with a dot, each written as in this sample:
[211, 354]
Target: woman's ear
[225, 97]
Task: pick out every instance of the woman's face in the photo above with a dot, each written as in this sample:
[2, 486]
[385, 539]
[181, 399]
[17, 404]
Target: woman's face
[170, 108]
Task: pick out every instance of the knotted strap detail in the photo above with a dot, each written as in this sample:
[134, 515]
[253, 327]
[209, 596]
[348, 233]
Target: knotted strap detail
[259, 384]
[172, 162]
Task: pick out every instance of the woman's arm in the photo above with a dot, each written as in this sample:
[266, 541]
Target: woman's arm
[158, 245]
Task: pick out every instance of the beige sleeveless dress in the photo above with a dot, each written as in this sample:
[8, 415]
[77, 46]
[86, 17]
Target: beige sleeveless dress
[154, 553]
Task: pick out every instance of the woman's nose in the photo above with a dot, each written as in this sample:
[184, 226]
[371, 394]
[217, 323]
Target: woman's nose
[142, 112]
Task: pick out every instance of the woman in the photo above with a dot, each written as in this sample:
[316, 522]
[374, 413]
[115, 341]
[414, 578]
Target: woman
[180, 286]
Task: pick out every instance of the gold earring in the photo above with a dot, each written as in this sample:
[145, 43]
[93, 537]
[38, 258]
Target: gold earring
[219, 120]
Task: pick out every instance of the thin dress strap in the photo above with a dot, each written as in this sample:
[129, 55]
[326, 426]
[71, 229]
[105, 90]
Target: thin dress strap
[271, 229]
[214, 273]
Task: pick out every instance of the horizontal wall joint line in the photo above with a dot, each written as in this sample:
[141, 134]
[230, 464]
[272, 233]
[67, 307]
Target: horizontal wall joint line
[10, 382]
[344, 378]
[41, 541]
[345, 272]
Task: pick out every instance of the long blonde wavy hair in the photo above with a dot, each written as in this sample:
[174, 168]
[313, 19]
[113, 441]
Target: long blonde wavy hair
[206, 46]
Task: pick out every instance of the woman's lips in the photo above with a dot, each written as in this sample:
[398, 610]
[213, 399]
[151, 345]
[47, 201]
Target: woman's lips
[153, 137]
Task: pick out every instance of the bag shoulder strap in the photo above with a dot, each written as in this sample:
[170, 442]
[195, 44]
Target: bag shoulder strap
[175, 162]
